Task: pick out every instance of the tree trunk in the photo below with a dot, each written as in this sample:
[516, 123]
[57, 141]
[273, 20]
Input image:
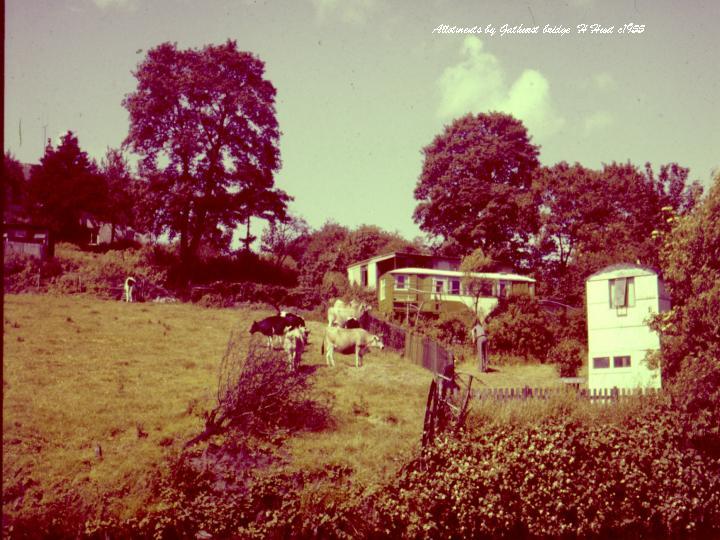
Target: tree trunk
[247, 240]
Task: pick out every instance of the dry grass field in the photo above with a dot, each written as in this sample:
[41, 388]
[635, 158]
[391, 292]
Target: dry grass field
[97, 394]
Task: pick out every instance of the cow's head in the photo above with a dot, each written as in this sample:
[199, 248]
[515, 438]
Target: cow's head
[254, 327]
[375, 341]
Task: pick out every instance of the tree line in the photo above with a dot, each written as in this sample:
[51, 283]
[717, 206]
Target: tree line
[204, 129]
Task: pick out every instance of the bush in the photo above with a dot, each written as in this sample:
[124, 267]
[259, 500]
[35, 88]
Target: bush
[561, 478]
[519, 326]
[26, 273]
[568, 356]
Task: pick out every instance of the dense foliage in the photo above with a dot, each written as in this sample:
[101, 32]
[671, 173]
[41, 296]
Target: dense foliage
[64, 189]
[590, 219]
[203, 121]
[569, 356]
[560, 479]
[475, 187]
[520, 326]
[690, 331]
[333, 247]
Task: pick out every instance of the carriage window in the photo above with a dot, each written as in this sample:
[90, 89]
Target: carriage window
[486, 288]
[621, 361]
[401, 282]
[601, 362]
[502, 289]
[439, 286]
[454, 286]
[364, 276]
[382, 289]
[622, 292]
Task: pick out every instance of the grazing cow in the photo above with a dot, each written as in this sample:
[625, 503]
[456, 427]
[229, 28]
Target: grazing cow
[270, 327]
[352, 323]
[340, 312]
[294, 345]
[129, 286]
[346, 341]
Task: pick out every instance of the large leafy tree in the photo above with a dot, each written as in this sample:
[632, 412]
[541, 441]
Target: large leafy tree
[65, 188]
[475, 187]
[690, 258]
[590, 219]
[204, 122]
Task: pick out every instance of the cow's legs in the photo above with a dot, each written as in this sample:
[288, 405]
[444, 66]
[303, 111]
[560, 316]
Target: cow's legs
[329, 356]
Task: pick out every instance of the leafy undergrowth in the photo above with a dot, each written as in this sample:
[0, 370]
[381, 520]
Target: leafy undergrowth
[623, 474]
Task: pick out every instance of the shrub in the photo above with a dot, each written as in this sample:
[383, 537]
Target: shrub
[24, 272]
[519, 326]
[561, 478]
[568, 356]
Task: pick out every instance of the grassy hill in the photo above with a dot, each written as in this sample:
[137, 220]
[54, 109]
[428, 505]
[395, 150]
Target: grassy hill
[98, 393]
[99, 396]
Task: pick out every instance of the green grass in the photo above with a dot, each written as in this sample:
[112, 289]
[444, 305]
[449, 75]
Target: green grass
[134, 379]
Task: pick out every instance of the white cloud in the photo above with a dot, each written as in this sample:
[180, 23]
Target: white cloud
[598, 121]
[121, 4]
[477, 84]
[604, 81]
[352, 11]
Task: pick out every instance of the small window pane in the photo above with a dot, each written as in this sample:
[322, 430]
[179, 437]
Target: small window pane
[622, 292]
[455, 286]
[621, 361]
[400, 282]
[601, 362]
[502, 289]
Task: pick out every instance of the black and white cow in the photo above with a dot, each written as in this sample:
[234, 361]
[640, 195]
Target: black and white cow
[271, 327]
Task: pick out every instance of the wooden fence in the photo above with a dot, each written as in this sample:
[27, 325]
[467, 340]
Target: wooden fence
[595, 394]
[425, 352]
[420, 350]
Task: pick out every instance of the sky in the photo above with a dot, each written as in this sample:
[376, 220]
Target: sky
[364, 85]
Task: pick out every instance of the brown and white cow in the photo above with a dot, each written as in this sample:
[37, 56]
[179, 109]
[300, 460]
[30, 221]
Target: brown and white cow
[346, 341]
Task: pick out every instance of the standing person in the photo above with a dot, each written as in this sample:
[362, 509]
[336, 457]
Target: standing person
[479, 336]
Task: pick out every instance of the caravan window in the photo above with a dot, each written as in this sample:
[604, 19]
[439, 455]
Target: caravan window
[601, 362]
[622, 292]
[401, 282]
[454, 286]
[502, 290]
[621, 361]
[439, 286]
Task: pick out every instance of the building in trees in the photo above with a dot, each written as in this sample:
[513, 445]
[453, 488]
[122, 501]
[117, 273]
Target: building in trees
[620, 301]
[367, 273]
[408, 291]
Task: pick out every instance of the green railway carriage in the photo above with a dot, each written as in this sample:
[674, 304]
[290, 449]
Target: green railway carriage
[406, 291]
